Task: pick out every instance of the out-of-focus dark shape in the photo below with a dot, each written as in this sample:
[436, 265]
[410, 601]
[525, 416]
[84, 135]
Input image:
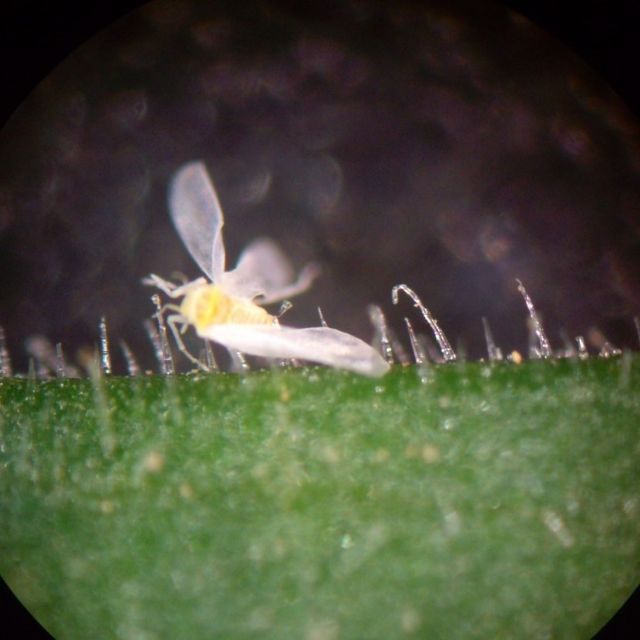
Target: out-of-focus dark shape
[451, 146]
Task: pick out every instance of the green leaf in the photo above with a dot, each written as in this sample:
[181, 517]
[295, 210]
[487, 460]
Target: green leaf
[481, 501]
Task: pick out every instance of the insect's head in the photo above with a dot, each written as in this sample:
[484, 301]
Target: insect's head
[205, 305]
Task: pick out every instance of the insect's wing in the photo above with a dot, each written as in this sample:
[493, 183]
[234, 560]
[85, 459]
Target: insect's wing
[264, 270]
[198, 218]
[317, 344]
[261, 267]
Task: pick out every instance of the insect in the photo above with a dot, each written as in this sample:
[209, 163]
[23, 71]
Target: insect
[226, 307]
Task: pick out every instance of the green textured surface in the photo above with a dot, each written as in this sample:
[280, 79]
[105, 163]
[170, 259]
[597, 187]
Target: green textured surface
[489, 502]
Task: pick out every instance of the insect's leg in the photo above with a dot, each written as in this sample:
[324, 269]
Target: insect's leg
[169, 307]
[169, 288]
[183, 289]
[159, 283]
[172, 321]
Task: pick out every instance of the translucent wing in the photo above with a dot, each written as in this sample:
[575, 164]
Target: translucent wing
[198, 218]
[263, 270]
[317, 344]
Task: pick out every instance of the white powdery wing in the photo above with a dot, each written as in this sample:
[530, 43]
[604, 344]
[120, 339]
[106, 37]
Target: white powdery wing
[262, 269]
[317, 344]
[198, 218]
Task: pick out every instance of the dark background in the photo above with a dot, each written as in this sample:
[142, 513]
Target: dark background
[447, 145]
[453, 163]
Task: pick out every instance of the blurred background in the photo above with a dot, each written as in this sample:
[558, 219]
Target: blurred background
[451, 146]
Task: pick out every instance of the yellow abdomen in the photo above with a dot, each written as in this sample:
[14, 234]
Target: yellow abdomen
[208, 305]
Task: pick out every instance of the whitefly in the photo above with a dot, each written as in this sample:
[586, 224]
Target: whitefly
[226, 307]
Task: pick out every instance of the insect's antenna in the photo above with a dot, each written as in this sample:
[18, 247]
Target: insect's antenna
[284, 307]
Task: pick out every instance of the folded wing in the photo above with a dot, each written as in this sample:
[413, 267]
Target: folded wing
[316, 344]
[263, 270]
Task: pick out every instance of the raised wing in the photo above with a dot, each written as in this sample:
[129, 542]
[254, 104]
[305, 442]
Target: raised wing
[263, 270]
[317, 344]
[197, 217]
